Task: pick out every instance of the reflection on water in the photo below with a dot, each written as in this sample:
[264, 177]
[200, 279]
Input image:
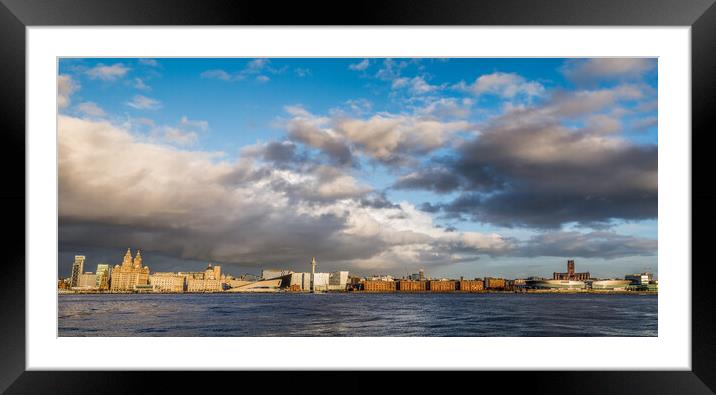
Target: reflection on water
[357, 315]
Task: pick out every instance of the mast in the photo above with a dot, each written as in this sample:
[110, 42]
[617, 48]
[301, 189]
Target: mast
[313, 275]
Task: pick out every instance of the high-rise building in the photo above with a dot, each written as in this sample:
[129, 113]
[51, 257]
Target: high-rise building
[103, 273]
[130, 273]
[77, 270]
[87, 280]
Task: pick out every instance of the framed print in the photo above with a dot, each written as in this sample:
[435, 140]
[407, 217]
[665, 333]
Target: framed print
[473, 187]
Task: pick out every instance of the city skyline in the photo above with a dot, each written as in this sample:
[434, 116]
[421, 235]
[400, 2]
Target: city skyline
[465, 167]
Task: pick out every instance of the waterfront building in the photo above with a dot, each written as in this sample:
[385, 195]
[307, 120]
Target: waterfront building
[639, 278]
[611, 284]
[130, 274]
[103, 274]
[411, 285]
[87, 280]
[379, 286]
[272, 285]
[556, 284]
[571, 275]
[494, 283]
[321, 281]
[167, 282]
[338, 281]
[471, 285]
[441, 285]
[208, 281]
[77, 270]
[268, 274]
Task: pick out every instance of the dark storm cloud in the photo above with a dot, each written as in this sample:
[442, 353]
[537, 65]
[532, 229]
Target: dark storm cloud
[527, 169]
[597, 244]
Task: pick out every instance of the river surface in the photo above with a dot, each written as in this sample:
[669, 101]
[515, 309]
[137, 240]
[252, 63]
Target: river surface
[287, 314]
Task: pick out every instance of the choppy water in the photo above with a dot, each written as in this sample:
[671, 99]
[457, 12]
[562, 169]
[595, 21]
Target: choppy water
[357, 315]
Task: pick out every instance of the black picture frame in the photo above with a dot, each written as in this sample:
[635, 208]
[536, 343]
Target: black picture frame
[16, 15]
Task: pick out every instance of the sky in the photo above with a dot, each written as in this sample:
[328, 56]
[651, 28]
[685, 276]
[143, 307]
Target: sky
[459, 166]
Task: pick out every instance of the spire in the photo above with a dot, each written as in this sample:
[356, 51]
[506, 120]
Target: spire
[127, 258]
[138, 259]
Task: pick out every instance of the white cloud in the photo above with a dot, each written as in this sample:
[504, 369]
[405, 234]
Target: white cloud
[144, 103]
[217, 74]
[262, 79]
[108, 73]
[506, 85]
[149, 62]
[360, 66]
[66, 86]
[416, 85]
[139, 84]
[194, 124]
[91, 109]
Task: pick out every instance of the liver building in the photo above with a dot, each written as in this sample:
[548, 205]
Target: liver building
[130, 273]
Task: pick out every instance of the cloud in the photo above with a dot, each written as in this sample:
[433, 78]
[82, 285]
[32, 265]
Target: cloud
[415, 85]
[526, 168]
[386, 138]
[91, 109]
[360, 66]
[592, 70]
[192, 205]
[217, 74]
[256, 66]
[148, 62]
[194, 124]
[107, 73]
[66, 86]
[599, 244]
[144, 103]
[505, 85]
[139, 84]
[302, 72]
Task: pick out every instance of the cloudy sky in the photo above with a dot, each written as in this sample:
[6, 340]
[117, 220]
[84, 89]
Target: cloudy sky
[466, 167]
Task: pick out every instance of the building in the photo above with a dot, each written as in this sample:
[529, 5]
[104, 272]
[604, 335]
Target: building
[103, 274]
[441, 286]
[338, 281]
[419, 276]
[207, 281]
[471, 285]
[130, 274]
[494, 283]
[77, 270]
[268, 274]
[87, 280]
[556, 284]
[167, 282]
[571, 275]
[321, 281]
[610, 284]
[639, 278]
[411, 285]
[378, 286]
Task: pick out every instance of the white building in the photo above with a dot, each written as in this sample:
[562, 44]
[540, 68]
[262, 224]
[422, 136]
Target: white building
[338, 281]
[321, 281]
[267, 274]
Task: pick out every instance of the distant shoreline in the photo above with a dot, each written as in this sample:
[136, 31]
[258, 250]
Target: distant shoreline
[540, 292]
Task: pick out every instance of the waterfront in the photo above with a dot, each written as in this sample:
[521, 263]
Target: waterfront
[357, 314]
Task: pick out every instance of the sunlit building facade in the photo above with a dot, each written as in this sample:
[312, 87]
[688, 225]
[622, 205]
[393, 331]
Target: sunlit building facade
[130, 274]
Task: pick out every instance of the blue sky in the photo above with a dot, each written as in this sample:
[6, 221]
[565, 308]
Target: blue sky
[459, 166]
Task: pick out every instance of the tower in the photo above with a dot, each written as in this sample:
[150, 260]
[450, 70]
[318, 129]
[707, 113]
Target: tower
[313, 274]
[570, 269]
[137, 259]
[77, 269]
[127, 261]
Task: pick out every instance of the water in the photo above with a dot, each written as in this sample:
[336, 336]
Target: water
[357, 315]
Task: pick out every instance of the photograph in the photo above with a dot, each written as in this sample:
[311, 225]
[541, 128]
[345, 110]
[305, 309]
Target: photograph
[357, 197]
